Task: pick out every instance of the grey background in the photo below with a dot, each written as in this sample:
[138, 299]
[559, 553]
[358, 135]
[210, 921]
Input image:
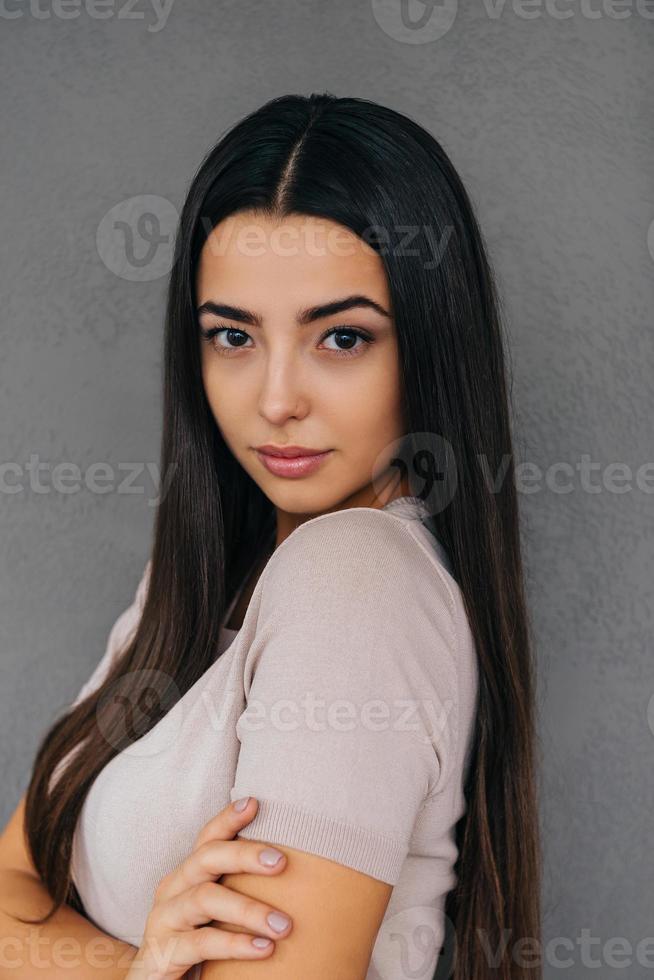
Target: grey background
[549, 122]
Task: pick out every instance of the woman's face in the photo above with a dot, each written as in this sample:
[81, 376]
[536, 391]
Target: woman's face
[273, 375]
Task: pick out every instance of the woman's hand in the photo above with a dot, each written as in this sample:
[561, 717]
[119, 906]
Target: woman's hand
[177, 934]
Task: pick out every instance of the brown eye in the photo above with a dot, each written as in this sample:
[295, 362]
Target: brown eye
[354, 340]
[236, 338]
[350, 335]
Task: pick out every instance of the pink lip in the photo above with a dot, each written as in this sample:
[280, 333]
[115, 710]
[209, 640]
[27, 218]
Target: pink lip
[293, 466]
[290, 452]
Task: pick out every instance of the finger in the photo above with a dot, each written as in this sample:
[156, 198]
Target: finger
[227, 822]
[216, 944]
[207, 943]
[216, 858]
[224, 826]
[199, 905]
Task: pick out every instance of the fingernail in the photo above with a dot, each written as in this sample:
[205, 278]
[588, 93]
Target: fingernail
[241, 804]
[270, 856]
[261, 943]
[277, 921]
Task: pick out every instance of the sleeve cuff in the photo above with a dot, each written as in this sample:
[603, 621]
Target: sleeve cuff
[363, 849]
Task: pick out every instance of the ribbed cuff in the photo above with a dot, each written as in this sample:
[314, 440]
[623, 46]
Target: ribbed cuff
[364, 850]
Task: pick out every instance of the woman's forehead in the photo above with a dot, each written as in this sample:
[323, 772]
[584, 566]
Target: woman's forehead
[303, 259]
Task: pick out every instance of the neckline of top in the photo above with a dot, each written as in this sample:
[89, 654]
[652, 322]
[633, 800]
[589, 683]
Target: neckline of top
[414, 508]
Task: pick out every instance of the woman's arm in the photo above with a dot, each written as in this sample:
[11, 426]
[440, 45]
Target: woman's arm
[68, 946]
[337, 913]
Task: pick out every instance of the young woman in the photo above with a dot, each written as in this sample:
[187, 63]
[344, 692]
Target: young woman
[332, 623]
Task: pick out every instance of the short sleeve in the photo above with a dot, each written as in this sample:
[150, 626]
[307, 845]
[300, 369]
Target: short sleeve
[350, 686]
[123, 630]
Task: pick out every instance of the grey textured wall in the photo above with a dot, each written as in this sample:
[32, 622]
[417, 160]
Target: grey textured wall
[546, 111]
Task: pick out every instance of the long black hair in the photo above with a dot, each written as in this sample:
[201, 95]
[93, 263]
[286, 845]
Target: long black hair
[384, 177]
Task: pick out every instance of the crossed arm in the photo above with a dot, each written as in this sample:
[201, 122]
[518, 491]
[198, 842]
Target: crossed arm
[336, 914]
[68, 946]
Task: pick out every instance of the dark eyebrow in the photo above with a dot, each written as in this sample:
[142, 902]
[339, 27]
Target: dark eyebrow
[303, 317]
